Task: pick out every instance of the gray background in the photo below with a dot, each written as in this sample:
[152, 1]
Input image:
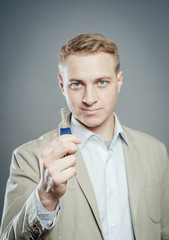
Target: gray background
[32, 33]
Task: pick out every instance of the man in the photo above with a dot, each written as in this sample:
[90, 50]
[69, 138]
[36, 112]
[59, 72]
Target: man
[103, 181]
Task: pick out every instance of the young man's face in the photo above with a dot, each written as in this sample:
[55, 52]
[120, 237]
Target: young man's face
[90, 86]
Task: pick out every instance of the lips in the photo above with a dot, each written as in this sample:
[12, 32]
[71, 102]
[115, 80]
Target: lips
[91, 111]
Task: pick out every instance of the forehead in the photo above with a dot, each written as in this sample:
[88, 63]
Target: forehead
[89, 65]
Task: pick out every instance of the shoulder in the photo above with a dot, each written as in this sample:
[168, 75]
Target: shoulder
[26, 158]
[136, 134]
[143, 140]
[35, 146]
[151, 152]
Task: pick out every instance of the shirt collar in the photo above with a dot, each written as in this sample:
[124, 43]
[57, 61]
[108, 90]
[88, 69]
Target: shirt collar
[79, 130]
[118, 130]
[84, 134]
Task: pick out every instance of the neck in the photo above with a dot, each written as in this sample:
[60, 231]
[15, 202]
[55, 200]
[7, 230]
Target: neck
[105, 131]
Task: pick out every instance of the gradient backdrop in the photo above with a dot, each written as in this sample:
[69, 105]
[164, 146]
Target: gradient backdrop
[32, 33]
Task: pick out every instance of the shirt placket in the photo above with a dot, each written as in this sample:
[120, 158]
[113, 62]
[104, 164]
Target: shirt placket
[112, 195]
[102, 152]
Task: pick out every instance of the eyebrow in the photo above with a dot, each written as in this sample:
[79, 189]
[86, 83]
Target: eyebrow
[95, 80]
[75, 80]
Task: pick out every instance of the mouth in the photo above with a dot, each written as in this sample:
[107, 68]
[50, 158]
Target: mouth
[91, 112]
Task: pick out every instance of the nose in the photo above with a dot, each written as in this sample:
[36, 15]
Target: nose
[90, 95]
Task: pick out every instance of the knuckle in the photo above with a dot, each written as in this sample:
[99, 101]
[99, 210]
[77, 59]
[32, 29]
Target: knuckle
[58, 139]
[56, 180]
[75, 147]
[74, 172]
[45, 164]
[65, 145]
[70, 160]
[50, 170]
[73, 158]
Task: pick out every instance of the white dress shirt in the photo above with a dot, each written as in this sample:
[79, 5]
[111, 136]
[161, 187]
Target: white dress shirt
[107, 171]
[106, 167]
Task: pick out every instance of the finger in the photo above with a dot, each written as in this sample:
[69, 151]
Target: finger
[60, 152]
[62, 177]
[59, 140]
[61, 165]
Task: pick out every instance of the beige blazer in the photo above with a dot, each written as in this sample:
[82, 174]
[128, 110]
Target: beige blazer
[147, 167]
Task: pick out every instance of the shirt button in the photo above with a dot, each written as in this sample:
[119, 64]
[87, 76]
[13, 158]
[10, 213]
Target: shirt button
[111, 148]
[113, 225]
[111, 193]
[49, 223]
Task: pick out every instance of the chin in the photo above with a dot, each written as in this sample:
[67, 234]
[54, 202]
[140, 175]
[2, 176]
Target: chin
[90, 123]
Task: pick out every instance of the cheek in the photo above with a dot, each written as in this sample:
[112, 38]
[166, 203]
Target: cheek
[72, 97]
[109, 95]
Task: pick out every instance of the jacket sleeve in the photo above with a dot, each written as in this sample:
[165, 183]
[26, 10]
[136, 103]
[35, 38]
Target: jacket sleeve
[165, 197]
[19, 220]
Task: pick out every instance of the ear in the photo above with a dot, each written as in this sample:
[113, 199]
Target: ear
[61, 85]
[119, 80]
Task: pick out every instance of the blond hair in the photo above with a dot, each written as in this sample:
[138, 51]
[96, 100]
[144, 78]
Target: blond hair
[87, 44]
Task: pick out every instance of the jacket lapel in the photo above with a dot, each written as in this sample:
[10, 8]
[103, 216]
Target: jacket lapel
[86, 187]
[84, 182]
[133, 176]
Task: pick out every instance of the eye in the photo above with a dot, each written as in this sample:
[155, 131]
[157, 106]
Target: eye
[102, 83]
[75, 85]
